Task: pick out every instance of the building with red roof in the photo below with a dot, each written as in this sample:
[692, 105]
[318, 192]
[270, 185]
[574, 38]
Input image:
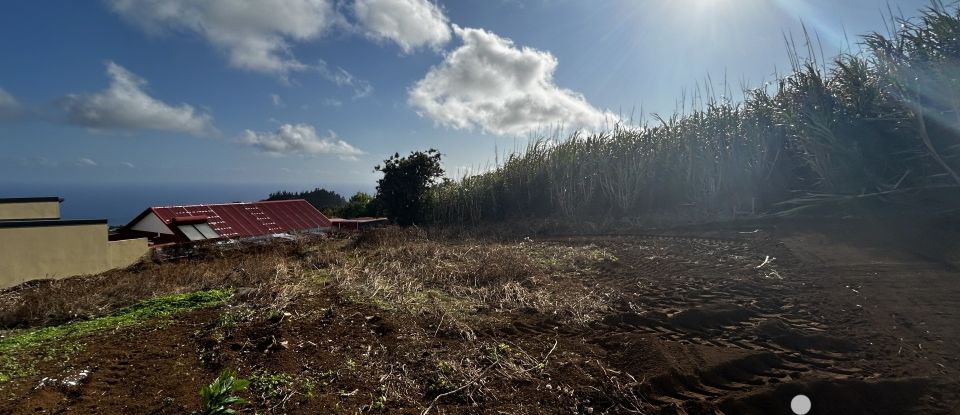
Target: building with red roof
[192, 223]
[358, 224]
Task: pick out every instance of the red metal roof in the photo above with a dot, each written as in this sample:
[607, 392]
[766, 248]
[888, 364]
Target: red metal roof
[189, 219]
[240, 220]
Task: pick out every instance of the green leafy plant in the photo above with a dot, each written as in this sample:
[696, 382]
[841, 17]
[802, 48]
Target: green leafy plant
[218, 397]
[360, 204]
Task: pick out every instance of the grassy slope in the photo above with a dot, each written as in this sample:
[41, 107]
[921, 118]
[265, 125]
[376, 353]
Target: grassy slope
[20, 349]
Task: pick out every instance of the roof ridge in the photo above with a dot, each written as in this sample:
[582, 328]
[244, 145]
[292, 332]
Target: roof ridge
[230, 203]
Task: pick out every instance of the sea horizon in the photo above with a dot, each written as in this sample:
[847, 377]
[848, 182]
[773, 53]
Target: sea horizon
[119, 202]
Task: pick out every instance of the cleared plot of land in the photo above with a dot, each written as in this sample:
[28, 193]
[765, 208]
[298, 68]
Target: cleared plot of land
[739, 322]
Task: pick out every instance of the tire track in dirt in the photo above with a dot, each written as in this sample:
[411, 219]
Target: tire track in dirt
[708, 296]
[723, 326]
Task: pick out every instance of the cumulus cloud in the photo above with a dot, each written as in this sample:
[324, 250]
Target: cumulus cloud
[299, 139]
[410, 23]
[277, 101]
[125, 105]
[256, 35]
[85, 162]
[491, 84]
[10, 108]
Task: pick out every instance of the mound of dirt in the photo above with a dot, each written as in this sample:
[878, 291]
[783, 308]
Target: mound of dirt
[781, 333]
[710, 318]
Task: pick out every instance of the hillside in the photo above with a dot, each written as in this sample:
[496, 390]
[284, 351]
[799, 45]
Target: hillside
[735, 319]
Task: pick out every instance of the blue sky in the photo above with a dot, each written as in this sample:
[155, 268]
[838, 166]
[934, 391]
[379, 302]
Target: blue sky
[316, 92]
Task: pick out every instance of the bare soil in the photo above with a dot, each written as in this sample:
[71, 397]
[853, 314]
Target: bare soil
[725, 320]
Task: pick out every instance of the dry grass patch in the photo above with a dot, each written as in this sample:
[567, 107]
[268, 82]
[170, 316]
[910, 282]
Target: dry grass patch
[458, 281]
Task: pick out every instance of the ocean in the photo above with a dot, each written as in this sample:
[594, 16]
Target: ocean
[121, 202]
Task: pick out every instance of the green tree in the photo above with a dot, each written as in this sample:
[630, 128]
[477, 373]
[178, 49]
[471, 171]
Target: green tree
[402, 191]
[360, 204]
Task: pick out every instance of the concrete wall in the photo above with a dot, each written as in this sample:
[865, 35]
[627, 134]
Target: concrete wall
[58, 249]
[126, 252]
[10, 209]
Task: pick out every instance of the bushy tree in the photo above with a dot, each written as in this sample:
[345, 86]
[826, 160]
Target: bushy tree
[360, 204]
[402, 192]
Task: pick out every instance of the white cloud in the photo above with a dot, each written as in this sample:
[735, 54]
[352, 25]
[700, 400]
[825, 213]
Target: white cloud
[10, 108]
[298, 139]
[85, 162]
[277, 101]
[490, 83]
[256, 35]
[340, 76]
[409, 23]
[124, 105]
[127, 164]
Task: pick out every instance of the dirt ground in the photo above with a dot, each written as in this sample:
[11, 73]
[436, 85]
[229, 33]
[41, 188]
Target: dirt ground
[725, 320]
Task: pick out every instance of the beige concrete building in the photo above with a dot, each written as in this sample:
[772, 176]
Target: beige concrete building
[31, 208]
[35, 243]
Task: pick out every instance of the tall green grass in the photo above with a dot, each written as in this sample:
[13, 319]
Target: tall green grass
[879, 129]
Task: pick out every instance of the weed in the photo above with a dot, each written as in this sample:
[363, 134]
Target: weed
[441, 381]
[230, 320]
[219, 396]
[501, 350]
[272, 386]
[379, 404]
[308, 389]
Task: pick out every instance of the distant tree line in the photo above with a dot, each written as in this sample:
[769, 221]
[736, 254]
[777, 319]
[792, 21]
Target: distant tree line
[321, 199]
[332, 203]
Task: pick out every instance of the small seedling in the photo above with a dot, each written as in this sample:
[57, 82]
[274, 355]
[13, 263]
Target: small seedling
[308, 388]
[379, 404]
